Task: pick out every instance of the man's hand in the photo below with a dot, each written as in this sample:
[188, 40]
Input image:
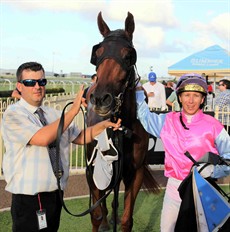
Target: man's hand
[151, 94]
[78, 100]
[108, 123]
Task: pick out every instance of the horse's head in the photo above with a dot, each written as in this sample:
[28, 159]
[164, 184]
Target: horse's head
[114, 58]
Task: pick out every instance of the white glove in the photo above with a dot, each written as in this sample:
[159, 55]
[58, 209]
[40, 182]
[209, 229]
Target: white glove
[207, 171]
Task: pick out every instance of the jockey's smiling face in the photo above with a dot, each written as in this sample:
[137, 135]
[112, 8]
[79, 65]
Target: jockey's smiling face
[191, 102]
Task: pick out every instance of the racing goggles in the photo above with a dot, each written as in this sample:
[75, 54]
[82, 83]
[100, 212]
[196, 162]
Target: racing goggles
[32, 82]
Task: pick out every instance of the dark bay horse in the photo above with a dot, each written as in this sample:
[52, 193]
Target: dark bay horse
[112, 97]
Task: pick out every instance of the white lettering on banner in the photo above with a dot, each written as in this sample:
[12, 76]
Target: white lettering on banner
[206, 62]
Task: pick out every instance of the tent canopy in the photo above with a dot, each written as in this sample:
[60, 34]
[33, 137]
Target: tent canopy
[213, 61]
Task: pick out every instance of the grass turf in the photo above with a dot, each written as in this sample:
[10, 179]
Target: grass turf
[146, 214]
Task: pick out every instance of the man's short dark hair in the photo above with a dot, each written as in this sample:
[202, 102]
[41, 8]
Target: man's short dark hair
[225, 82]
[93, 76]
[33, 66]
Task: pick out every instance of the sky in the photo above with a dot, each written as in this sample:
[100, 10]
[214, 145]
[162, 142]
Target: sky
[60, 34]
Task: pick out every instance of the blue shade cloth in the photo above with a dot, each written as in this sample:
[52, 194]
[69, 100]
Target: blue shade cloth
[215, 207]
[213, 58]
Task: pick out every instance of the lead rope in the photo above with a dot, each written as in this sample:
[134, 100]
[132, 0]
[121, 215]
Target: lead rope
[59, 134]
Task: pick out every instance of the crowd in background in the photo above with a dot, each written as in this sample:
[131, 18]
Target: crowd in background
[162, 96]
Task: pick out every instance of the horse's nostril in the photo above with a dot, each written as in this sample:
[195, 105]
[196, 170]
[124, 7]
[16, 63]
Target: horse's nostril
[104, 100]
[107, 100]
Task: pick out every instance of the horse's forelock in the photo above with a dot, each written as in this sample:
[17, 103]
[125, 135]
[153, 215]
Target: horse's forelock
[119, 33]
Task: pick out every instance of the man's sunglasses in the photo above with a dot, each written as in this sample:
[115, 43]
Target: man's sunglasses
[32, 82]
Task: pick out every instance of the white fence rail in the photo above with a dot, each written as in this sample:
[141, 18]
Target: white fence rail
[77, 159]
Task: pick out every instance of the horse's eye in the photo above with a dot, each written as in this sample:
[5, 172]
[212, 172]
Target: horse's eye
[100, 51]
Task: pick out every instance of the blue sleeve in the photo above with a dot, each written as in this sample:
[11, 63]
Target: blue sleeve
[223, 146]
[152, 122]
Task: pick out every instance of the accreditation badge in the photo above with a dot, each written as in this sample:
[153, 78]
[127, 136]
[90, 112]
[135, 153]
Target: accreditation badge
[41, 215]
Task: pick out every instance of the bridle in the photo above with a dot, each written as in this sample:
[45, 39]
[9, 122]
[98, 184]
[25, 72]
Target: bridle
[110, 48]
[118, 100]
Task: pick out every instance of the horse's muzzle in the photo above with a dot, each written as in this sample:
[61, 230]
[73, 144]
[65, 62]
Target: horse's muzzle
[102, 104]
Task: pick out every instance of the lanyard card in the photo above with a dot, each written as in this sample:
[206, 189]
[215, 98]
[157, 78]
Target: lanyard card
[41, 215]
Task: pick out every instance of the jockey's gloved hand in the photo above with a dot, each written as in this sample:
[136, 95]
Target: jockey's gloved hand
[205, 170]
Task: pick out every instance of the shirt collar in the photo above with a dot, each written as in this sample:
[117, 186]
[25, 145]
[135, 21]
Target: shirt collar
[196, 117]
[29, 107]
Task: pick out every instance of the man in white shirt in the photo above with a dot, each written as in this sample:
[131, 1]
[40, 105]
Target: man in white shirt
[27, 166]
[155, 92]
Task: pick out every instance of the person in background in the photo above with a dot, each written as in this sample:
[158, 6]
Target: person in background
[155, 92]
[211, 95]
[210, 88]
[187, 131]
[16, 94]
[168, 88]
[172, 103]
[29, 131]
[93, 80]
[168, 91]
[222, 103]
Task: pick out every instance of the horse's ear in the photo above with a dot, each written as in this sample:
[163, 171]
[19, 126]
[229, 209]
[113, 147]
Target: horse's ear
[129, 25]
[103, 28]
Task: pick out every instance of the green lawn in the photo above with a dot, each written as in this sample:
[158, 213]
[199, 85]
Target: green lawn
[146, 214]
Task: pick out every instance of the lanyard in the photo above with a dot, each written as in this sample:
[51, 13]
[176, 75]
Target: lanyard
[39, 202]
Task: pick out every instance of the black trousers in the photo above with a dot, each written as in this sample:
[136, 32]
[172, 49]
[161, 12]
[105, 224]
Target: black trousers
[24, 208]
